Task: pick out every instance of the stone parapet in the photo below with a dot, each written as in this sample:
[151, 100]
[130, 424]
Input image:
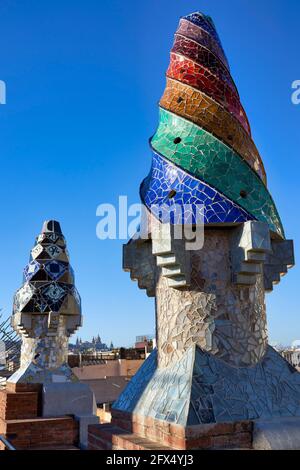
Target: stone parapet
[21, 405]
[28, 433]
[23, 426]
[147, 432]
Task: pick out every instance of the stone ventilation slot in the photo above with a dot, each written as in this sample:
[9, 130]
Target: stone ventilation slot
[172, 194]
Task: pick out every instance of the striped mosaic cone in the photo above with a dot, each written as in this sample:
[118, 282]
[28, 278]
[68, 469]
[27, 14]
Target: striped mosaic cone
[47, 310]
[203, 152]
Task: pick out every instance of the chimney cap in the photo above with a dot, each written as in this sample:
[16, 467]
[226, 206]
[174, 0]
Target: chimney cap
[51, 226]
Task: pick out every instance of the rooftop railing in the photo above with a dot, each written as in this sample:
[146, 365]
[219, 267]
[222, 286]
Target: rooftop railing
[6, 443]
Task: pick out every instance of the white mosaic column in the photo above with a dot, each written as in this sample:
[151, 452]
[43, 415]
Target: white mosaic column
[212, 363]
[221, 317]
[212, 297]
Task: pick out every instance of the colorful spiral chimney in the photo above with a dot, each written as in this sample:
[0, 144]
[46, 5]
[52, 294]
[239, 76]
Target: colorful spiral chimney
[202, 152]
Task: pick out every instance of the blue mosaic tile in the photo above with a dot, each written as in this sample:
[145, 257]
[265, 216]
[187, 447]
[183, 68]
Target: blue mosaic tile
[74, 292]
[30, 270]
[153, 392]
[55, 269]
[54, 294]
[165, 180]
[128, 400]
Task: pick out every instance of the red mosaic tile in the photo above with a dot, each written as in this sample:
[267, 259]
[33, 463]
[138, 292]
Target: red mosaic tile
[195, 75]
[194, 51]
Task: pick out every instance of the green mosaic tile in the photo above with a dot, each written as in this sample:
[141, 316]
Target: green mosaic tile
[209, 159]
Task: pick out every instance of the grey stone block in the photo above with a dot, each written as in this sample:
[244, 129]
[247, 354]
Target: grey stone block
[84, 423]
[278, 262]
[171, 254]
[73, 398]
[279, 434]
[250, 244]
[140, 258]
[140, 262]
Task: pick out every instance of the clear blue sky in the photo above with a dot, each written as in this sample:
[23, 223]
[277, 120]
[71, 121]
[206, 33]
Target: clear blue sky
[83, 81]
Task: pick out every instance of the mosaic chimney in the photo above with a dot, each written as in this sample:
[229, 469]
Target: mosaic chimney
[46, 310]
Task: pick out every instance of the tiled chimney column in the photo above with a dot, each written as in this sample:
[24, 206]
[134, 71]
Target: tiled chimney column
[47, 310]
[221, 317]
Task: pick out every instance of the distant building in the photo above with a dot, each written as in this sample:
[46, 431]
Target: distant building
[292, 356]
[296, 344]
[107, 379]
[290, 353]
[89, 346]
[144, 342]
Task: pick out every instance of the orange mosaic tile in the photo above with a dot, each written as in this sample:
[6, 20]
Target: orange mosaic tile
[205, 112]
